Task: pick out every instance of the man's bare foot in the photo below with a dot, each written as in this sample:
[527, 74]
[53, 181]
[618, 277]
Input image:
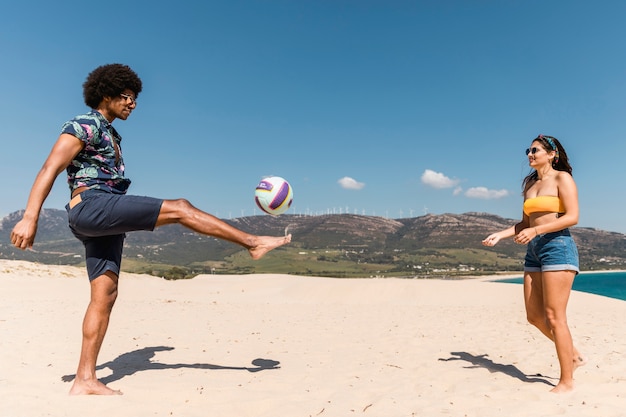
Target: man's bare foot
[264, 244]
[92, 388]
[563, 388]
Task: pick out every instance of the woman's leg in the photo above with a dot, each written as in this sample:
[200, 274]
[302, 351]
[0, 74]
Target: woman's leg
[545, 296]
[557, 287]
[533, 300]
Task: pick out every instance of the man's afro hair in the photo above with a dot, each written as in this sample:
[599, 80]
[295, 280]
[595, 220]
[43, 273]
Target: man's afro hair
[109, 81]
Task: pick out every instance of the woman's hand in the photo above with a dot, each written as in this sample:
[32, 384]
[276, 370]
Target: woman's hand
[526, 235]
[491, 240]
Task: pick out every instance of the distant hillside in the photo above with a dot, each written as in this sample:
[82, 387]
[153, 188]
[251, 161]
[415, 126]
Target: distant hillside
[341, 245]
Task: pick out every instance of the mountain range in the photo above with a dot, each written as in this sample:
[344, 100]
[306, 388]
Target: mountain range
[337, 245]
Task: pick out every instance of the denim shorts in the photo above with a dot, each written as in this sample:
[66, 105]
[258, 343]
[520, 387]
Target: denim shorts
[101, 219]
[554, 251]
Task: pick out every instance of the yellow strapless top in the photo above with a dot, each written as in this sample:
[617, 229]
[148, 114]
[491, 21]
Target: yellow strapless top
[543, 203]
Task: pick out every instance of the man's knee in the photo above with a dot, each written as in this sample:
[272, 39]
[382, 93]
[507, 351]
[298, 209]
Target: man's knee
[104, 290]
[181, 205]
[172, 211]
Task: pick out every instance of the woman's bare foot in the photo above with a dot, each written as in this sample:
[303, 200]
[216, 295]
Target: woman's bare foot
[579, 360]
[563, 388]
[264, 244]
[91, 387]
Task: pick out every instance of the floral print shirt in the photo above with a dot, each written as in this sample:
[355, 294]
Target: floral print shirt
[98, 165]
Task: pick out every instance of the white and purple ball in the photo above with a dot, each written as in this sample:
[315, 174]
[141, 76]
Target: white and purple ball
[273, 195]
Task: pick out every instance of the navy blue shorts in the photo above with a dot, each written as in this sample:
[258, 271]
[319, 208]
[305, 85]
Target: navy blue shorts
[552, 252]
[102, 219]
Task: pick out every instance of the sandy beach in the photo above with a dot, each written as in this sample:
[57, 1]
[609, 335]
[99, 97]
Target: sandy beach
[289, 346]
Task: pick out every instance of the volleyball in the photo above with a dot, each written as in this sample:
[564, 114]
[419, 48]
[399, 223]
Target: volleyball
[273, 195]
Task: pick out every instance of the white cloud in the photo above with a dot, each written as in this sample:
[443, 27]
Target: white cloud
[485, 193]
[350, 183]
[437, 180]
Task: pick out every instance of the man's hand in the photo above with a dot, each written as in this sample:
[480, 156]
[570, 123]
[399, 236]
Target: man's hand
[23, 234]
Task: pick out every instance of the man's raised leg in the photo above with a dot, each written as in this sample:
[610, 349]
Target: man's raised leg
[182, 212]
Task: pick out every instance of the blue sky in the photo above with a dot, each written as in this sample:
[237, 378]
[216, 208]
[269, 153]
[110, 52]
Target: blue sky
[388, 108]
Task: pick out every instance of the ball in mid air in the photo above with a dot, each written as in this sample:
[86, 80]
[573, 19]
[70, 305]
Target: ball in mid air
[273, 195]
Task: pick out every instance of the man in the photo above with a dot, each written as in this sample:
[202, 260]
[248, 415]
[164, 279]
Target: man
[100, 212]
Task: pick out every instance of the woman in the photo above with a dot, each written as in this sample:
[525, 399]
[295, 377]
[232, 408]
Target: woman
[551, 262]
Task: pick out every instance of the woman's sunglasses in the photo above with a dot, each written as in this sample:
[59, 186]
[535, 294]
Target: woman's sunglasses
[532, 150]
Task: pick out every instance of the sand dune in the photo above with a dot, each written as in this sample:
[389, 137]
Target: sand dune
[278, 345]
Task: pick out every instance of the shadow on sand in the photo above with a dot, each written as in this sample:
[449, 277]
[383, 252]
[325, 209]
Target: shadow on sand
[141, 360]
[481, 361]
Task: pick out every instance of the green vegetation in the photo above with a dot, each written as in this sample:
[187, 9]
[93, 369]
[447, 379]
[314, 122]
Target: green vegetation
[341, 264]
[345, 246]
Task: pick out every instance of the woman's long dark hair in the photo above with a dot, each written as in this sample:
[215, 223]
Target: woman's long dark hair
[560, 162]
